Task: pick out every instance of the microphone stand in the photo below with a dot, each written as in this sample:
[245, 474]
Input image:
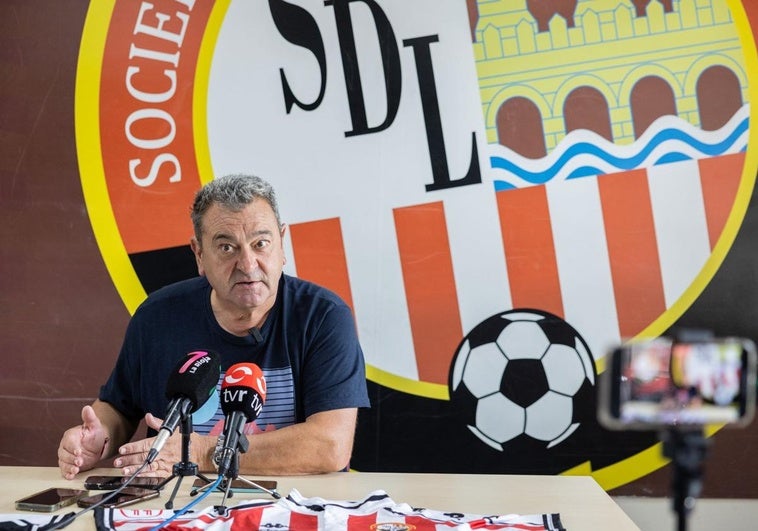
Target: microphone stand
[687, 450]
[232, 474]
[185, 467]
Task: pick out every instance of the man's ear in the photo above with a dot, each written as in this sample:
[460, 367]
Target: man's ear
[282, 232]
[197, 250]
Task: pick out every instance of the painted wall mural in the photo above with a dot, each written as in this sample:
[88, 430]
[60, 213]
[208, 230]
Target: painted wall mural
[453, 171]
[502, 190]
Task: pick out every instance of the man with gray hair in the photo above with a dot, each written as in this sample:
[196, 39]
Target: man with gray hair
[245, 308]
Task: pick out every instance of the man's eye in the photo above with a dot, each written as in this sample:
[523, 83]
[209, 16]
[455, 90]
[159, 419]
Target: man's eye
[261, 244]
[226, 248]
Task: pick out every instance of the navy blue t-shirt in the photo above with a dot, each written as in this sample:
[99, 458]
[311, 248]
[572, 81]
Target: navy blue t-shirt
[308, 350]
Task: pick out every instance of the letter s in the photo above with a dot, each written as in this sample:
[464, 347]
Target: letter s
[298, 26]
[144, 182]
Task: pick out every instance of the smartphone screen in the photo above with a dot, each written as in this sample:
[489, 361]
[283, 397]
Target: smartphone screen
[114, 482]
[239, 485]
[660, 383]
[126, 497]
[50, 500]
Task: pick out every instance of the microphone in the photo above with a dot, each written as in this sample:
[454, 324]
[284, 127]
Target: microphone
[243, 392]
[189, 386]
[256, 333]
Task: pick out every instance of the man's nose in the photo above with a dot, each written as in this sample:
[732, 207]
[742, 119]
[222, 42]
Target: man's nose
[247, 262]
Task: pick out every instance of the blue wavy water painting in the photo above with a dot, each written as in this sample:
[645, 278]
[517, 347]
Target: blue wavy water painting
[583, 153]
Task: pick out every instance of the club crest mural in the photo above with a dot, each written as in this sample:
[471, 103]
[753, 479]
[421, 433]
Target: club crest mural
[501, 190]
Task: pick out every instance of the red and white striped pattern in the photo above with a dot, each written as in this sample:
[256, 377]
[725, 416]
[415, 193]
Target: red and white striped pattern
[376, 512]
[609, 254]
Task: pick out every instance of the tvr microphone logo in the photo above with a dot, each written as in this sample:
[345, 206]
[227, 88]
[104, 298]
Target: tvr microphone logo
[243, 395]
[244, 389]
[238, 374]
[245, 375]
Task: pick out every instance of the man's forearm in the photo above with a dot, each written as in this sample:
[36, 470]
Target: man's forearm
[289, 451]
[321, 444]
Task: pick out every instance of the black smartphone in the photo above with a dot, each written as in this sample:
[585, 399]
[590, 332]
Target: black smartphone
[239, 485]
[50, 500]
[658, 383]
[114, 482]
[126, 497]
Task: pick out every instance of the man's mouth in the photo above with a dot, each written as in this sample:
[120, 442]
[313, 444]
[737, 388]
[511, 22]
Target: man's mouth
[248, 282]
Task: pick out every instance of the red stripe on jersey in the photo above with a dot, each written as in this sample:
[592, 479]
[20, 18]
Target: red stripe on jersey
[361, 522]
[529, 249]
[424, 524]
[429, 284]
[302, 522]
[632, 249]
[320, 255]
[719, 178]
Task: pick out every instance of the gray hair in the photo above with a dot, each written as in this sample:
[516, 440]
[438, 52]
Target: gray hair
[233, 192]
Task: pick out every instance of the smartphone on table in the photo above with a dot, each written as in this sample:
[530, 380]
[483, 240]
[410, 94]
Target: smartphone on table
[128, 496]
[50, 500]
[239, 485]
[114, 482]
[660, 383]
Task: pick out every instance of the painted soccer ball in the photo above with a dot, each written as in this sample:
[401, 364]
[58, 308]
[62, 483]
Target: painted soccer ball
[522, 373]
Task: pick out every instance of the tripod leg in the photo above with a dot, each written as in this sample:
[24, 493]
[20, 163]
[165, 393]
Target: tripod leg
[687, 451]
[170, 502]
[253, 484]
[165, 481]
[201, 476]
[195, 489]
[208, 483]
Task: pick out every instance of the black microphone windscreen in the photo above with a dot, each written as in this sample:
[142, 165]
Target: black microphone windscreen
[194, 377]
[244, 399]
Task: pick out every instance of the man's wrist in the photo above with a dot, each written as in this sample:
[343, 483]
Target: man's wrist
[206, 446]
[200, 451]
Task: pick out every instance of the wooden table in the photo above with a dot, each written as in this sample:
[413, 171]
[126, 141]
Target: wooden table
[581, 503]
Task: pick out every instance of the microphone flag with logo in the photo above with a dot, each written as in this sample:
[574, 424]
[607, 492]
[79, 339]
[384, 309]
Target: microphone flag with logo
[189, 386]
[243, 392]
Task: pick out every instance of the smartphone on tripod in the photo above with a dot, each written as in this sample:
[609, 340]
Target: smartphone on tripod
[659, 383]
